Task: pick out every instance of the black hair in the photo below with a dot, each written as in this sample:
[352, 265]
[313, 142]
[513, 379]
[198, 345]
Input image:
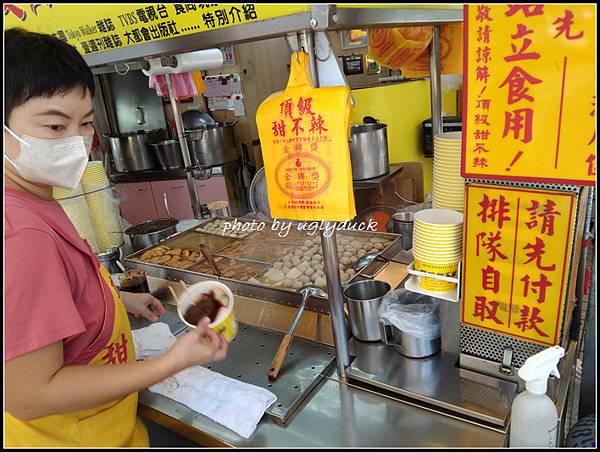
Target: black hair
[40, 65]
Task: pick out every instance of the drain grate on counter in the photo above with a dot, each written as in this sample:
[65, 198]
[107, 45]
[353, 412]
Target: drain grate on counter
[250, 355]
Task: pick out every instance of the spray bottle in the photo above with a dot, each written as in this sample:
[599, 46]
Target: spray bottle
[534, 418]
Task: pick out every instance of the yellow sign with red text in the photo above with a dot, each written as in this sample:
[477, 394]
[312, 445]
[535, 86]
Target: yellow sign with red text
[93, 28]
[529, 99]
[517, 247]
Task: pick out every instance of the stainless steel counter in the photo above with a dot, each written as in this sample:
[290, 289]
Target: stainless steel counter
[335, 414]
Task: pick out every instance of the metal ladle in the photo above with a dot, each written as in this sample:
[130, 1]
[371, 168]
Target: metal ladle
[167, 205]
[366, 260]
[306, 291]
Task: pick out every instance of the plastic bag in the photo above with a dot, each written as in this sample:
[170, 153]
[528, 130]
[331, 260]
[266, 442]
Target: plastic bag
[416, 207]
[304, 140]
[395, 47]
[412, 313]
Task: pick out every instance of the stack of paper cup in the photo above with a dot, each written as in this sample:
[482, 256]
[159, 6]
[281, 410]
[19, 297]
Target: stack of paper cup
[448, 185]
[75, 206]
[103, 207]
[94, 177]
[437, 246]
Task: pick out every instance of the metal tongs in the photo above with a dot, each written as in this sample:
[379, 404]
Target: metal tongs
[306, 291]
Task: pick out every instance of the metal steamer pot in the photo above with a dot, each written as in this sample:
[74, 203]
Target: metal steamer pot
[169, 154]
[212, 144]
[369, 149]
[131, 151]
[148, 233]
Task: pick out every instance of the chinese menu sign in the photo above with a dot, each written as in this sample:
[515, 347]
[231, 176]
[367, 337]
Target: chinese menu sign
[304, 139]
[516, 260]
[100, 27]
[529, 102]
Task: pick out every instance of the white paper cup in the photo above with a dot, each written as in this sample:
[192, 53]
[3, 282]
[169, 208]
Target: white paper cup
[225, 322]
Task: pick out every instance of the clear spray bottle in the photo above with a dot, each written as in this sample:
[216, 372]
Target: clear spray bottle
[534, 418]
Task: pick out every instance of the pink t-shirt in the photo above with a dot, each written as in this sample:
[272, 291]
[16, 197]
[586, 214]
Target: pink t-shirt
[52, 288]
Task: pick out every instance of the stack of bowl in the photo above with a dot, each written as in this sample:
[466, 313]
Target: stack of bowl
[75, 206]
[103, 207]
[448, 185]
[437, 247]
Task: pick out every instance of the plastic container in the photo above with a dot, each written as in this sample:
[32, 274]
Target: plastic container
[534, 418]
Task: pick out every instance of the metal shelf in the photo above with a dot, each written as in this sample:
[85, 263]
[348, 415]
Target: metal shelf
[320, 17]
[350, 18]
[377, 182]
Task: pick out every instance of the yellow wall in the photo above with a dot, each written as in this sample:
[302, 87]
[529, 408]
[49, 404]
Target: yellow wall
[403, 107]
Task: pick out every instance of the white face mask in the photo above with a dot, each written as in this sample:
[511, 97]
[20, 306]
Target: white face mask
[56, 163]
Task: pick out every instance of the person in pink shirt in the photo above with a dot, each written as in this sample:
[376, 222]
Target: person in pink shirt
[71, 376]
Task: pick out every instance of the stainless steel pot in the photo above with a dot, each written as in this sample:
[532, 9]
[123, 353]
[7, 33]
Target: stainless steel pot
[148, 233]
[131, 152]
[402, 223]
[194, 119]
[407, 344]
[364, 298]
[109, 259]
[212, 144]
[369, 150]
[168, 153]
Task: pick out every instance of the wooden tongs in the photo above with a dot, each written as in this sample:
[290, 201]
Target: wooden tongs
[209, 258]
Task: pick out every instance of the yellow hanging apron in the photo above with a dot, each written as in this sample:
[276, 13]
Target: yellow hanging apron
[114, 424]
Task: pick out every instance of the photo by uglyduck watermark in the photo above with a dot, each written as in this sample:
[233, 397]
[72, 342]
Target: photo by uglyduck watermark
[311, 228]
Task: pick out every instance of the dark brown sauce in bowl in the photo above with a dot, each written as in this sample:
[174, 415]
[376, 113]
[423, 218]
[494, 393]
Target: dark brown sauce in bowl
[206, 306]
[151, 226]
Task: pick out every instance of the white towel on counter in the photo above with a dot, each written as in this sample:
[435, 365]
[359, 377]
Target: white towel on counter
[153, 341]
[234, 404]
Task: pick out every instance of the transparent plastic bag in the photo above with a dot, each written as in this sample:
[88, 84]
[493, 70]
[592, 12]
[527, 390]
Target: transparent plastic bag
[412, 313]
[416, 207]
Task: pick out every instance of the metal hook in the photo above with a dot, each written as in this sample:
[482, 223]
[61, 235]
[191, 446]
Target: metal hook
[322, 60]
[124, 73]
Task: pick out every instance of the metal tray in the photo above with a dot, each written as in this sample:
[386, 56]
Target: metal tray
[256, 251]
[287, 297]
[250, 354]
[248, 269]
[190, 240]
[212, 220]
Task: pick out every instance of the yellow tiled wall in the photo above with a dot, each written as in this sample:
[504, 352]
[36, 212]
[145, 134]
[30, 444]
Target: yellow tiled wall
[403, 107]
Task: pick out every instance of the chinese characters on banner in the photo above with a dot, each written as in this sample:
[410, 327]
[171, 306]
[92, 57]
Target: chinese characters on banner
[95, 28]
[517, 247]
[304, 138]
[529, 101]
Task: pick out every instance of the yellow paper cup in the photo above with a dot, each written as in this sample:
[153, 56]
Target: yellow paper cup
[447, 259]
[438, 234]
[225, 322]
[438, 249]
[436, 285]
[449, 136]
